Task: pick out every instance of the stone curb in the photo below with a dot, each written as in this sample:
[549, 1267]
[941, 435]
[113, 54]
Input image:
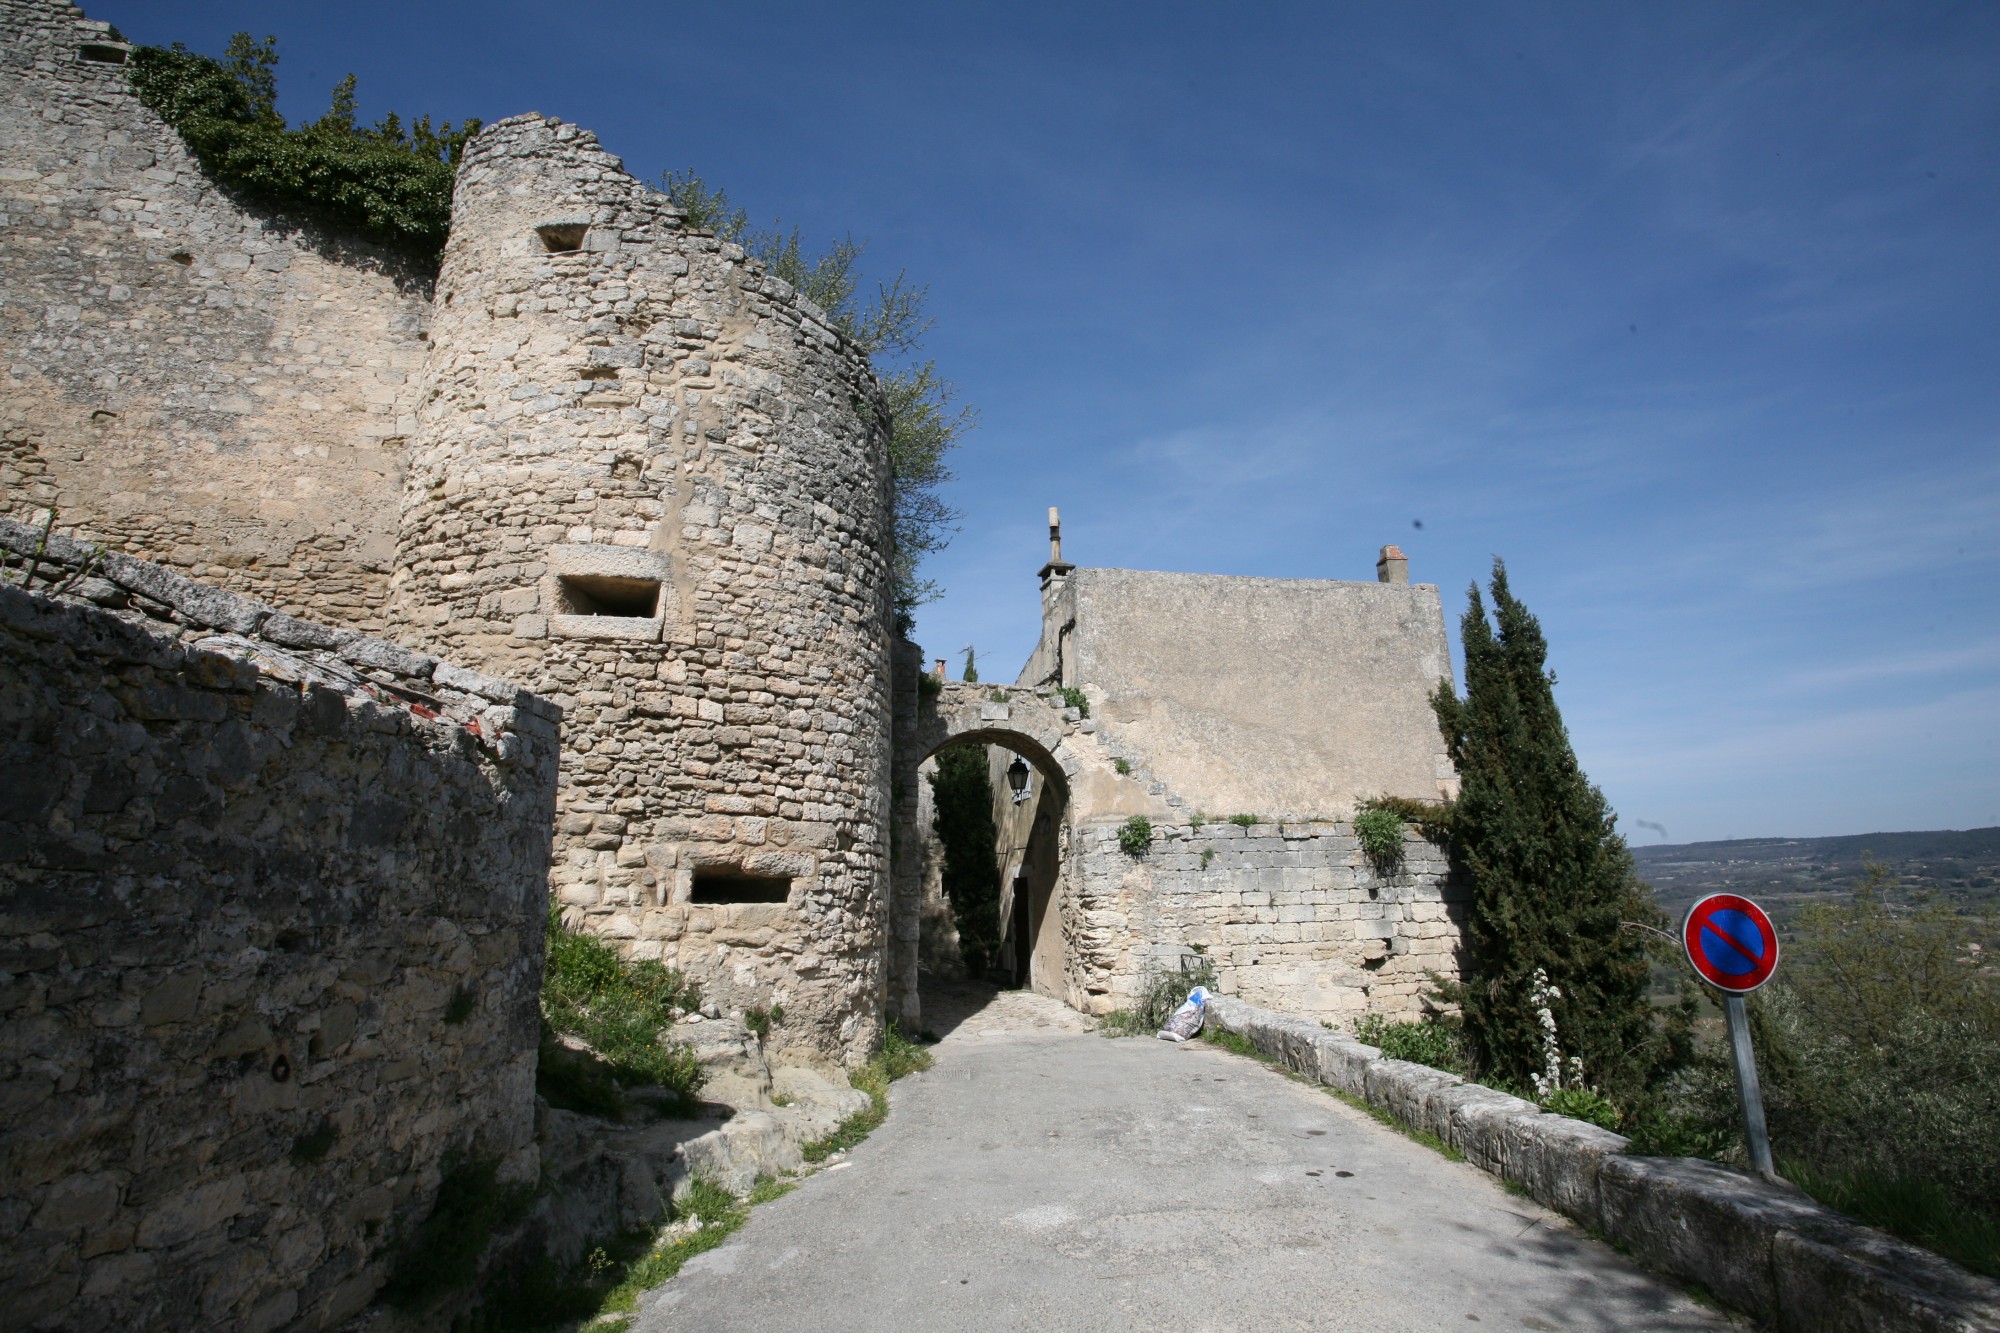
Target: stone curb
[1770, 1252]
[208, 620]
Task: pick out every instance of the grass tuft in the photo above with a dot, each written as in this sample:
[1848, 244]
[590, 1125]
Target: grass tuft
[618, 1008]
[898, 1057]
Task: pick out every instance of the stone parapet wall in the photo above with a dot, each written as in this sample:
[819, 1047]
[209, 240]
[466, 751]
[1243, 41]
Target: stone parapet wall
[1767, 1251]
[1290, 914]
[204, 383]
[619, 407]
[271, 908]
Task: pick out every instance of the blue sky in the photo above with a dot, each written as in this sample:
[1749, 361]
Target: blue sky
[1690, 312]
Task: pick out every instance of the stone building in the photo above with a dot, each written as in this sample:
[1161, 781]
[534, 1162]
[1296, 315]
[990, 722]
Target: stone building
[600, 453]
[608, 456]
[1243, 719]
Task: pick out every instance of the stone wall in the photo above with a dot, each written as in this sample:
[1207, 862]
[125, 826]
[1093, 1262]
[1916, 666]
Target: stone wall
[1286, 698]
[652, 482]
[186, 377]
[271, 911]
[1291, 915]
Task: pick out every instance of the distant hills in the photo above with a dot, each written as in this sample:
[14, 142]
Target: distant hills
[1960, 865]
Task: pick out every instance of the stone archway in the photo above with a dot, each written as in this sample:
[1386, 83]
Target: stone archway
[929, 717]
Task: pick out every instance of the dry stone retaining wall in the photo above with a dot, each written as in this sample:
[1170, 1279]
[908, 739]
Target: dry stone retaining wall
[1770, 1252]
[205, 383]
[1289, 914]
[652, 482]
[271, 913]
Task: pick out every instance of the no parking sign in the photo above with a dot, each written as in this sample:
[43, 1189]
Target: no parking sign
[1734, 948]
[1731, 943]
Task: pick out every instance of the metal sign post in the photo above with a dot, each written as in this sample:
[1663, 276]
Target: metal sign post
[1734, 948]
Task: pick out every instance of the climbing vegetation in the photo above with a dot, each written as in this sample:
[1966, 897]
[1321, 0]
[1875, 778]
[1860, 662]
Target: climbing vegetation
[389, 183]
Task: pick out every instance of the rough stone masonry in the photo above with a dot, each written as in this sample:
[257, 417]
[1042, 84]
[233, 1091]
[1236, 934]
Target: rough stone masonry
[271, 922]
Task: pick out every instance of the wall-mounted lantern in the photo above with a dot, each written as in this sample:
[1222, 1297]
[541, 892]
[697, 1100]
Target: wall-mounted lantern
[1017, 779]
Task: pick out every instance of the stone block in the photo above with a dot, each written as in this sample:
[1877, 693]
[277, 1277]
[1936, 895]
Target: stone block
[1702, 1222]
[1557, 1160]
[1404, 1089]
[1838, 1277]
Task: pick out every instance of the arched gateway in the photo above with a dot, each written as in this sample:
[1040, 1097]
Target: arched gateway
[932, 714]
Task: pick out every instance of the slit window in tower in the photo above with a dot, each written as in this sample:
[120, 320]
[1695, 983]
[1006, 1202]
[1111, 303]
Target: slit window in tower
[730, 884]
[609, 595]
[562, 238]
[104, 55]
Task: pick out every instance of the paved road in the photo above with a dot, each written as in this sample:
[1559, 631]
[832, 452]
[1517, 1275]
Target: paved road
[1041, 1177]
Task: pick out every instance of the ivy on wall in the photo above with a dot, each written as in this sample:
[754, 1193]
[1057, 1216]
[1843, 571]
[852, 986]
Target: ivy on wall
[387, 183]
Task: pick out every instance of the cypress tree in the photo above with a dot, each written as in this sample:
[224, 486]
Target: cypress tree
[1551, 878]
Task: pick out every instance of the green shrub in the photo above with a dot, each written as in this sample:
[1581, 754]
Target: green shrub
[1135, 835]
[1586, 1104]
[1075, 698]
[1434, 1042]
[1381, 836]
[1124, 767]
[929, 686]
[1433, 817]
[760, 1020]
[1244, 821]
[1878, 1048]
[385, 184]
[1160, 993]
[618, 1009]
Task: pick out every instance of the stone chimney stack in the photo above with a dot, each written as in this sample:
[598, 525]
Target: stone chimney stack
[1392, 566]
[1057, 568]
[938, 669]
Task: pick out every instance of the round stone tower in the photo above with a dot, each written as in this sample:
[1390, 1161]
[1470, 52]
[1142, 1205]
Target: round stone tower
[651, 482]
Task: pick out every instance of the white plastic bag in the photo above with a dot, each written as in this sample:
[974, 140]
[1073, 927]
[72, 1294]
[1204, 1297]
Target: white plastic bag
[1185, 1021]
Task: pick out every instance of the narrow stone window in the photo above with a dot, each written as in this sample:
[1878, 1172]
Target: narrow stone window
[608, 595]
[729, 884]
[99, 54]
[562, 238]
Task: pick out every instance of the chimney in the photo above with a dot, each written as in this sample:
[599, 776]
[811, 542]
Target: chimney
[1392, 566]
[1057, 566]
[938, 670]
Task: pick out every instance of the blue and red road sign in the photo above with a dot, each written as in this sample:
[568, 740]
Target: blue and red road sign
[1731, 943]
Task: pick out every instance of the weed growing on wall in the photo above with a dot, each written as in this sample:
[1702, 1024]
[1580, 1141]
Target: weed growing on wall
[1072, 697]
[1124, 767]
[1244, 821]
[1135, 835]
[1380, 833]
[388, 183]
[618, 1009]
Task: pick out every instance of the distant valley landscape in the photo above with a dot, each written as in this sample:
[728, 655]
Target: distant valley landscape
[1959, 866]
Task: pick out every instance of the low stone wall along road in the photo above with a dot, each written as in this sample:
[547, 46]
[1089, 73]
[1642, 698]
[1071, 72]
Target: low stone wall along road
[1042, 1177]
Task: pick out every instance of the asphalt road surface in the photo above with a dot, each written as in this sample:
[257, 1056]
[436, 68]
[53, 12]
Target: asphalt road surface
[1042, 1177]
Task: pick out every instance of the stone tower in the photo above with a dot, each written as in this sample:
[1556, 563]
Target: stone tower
[651, 481]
